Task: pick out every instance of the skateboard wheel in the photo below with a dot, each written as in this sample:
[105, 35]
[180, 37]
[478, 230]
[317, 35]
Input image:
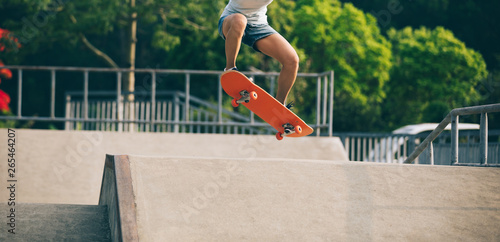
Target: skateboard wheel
[279, 136]
[253, 95]
[235, 103]
[298, 129]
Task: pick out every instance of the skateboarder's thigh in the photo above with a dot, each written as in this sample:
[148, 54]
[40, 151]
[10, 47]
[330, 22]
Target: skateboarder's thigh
[278, 47]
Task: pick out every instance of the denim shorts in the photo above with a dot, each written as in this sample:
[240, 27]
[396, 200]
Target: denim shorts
[253, 32]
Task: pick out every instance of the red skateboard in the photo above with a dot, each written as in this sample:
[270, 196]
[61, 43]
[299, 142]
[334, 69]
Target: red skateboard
[244, 91]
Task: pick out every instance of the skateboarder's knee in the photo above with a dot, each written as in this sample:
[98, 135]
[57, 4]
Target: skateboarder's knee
[236, 23]
[291, 61]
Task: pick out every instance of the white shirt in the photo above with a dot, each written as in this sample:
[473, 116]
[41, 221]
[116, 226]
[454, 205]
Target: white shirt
[254, 10]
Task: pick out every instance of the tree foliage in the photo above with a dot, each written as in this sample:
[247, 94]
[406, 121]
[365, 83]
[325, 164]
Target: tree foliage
[342, 38]
[430, 66]
[476, 23]
[383, 79]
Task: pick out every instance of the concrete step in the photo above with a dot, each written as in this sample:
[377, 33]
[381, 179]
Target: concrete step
[54, 222]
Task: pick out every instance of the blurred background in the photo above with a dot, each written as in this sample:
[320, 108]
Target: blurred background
[395, 62]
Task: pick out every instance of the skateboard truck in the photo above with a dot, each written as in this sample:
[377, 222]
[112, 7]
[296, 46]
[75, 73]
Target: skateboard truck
[245, 98]
[288, 129]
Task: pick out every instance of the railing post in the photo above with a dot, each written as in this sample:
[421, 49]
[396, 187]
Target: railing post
[330, 127]
[176, 113]
[370, 150]
[366, 149]
[252, 114]
[390, 157]
[187, 90]
[19, 92]
[347, 147]
[387, 150]
[355, 148]
[86, 95]
[325, 98]
[358, 150]
[67, 125]
[53, 93]
[119, 101]
[318, 106]
[484, 139]
[431, 153]
[454, 139]
[153, 101]
[417, 143]
[219, 101]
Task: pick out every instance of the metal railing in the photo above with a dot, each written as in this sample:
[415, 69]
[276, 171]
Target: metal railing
[322, 122]
[170, 106]
[395, 148]
[377, 147]
[453, 117]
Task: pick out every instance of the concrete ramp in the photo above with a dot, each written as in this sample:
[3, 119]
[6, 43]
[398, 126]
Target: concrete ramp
[270, 199]
[67, 166]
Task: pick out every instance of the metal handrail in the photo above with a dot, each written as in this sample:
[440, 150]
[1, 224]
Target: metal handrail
[453, 118]
[193, 99]
[149, 70]
[324, 105]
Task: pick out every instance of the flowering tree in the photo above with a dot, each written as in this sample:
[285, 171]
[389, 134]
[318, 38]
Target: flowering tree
[4, 97]
[5, 73]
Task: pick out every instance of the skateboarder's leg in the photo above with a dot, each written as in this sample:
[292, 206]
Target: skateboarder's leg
[233, 29]
[278, 47]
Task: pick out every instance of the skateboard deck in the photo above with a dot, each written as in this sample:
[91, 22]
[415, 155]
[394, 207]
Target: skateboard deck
[244, 91]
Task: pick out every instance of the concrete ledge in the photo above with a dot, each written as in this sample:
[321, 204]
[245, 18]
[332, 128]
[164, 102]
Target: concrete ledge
[117, 195]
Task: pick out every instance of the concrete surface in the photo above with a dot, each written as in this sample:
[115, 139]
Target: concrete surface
[55, 222]
[255, 199]
[67, 166]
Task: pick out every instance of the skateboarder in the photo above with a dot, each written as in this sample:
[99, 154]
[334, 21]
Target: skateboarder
[246, 21]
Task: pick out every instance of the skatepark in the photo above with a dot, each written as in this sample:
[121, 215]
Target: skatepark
[111, 186]
[173, 120]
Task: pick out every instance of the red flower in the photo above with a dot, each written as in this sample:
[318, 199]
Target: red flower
[5, 34]
[5, 73]
[4, 101]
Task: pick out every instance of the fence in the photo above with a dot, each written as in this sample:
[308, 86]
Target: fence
[386, 148]
[170, 106]
[396, 148]
[113, 113]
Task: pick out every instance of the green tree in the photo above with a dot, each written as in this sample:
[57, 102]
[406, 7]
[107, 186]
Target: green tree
[115, 33]
[340, 37]
[431, 67]
[476, 23]
[108, 29]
